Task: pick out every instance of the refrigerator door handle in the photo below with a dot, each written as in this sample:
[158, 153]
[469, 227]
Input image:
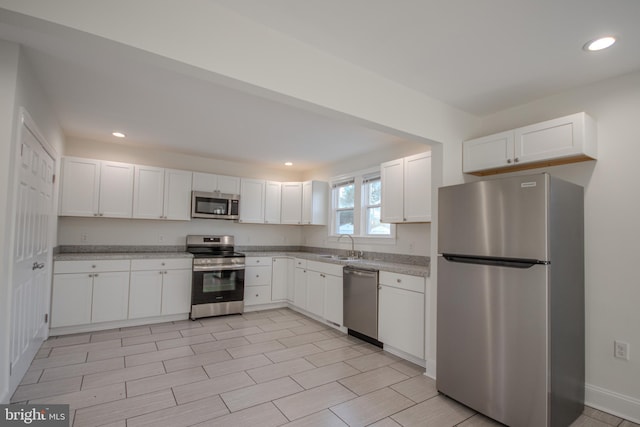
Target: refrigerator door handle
[498, 262]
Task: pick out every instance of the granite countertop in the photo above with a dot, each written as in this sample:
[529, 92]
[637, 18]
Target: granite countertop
[89, 256]
[392, 267]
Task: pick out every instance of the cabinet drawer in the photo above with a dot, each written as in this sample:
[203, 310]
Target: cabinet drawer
[161, 264]
[91, 266]
[402, 281]
[301, 263]
[257, 295]
[325, 267]
[257, 260]
[254, 276]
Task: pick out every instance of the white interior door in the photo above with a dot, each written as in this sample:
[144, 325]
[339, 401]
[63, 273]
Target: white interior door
[31, 257]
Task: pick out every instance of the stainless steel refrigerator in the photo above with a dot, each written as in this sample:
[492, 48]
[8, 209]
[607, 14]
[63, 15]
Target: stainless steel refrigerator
[510, 319]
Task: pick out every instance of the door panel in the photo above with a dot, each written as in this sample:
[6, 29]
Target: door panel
[496, 218]
[31, 268]
[492, 339]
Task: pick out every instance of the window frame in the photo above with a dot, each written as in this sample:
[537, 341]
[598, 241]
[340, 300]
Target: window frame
[360, 207]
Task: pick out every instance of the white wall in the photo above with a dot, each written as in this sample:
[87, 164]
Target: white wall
[612, 230]
[18, 88]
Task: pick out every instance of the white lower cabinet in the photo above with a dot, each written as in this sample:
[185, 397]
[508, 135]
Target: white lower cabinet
[333, 299]
[110, 296]
[401, 308]
[315, 292]
[71, 299]
[257, 280]
[300, 284]
[91, 292]
[281, 271]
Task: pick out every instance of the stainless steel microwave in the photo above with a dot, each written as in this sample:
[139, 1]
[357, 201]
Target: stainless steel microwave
[214, 205]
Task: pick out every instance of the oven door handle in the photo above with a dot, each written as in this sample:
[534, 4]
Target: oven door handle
[218, 267]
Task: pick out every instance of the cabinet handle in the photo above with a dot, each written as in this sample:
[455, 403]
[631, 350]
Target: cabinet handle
[91, 275]
[100, 214]
[257, 261]
[257, 275]
[93, 266]
[162, 264]
[399, 280]
[95, 275]
[257, 295]
[508, 160]
[516, 160]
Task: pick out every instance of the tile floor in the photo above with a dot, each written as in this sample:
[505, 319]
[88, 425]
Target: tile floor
[268, 368]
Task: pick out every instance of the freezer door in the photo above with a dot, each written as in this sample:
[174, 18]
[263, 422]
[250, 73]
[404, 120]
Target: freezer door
[496, 218]
[492, 340]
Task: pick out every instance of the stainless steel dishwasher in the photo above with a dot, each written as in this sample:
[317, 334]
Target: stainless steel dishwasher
[360, 309]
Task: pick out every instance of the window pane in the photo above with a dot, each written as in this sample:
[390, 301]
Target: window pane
[373, 192]
[344, 222]
[374, 226]
[346, 197]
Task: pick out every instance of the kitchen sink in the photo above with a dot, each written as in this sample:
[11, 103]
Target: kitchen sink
[339, 257]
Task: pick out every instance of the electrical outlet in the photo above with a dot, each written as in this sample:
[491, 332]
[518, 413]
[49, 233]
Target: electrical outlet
[621, 350]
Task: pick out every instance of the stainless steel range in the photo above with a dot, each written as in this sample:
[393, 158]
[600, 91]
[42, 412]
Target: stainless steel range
[218, 276]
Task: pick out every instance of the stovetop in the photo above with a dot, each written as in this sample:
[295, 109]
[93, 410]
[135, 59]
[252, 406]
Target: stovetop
[198, 253]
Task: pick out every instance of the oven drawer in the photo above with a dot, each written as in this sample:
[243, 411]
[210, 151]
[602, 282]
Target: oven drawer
[255, 276]
[254, 295]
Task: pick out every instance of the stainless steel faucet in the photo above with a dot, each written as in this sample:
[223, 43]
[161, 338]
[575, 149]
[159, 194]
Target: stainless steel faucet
[352, 252]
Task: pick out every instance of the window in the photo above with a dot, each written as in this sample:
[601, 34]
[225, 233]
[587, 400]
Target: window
[357, 204]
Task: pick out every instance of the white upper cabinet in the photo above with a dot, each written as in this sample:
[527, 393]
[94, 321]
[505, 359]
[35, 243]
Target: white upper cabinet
[210, 182]
[314, 202]
[96, 188]
[272, 202]
[567, 139]
[291, 212]
[80, 187]
[252, 200]
[406, 189]
[116, 190]
[161, 194]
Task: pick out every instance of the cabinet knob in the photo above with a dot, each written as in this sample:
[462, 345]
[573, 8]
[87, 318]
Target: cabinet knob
[399, 280]
[93, 266]
[101, 214]
[257, 275]
[508, 160]
[257, 295]
[516, 160]
[162, 263]
[95, 275]
[257, 261]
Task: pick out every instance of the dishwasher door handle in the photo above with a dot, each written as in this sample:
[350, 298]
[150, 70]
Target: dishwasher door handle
[364, 273]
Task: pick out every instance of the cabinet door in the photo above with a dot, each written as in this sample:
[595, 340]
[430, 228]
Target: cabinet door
[71, 299]
[177, 195]
[300, 288]
[110, 296]
[148, 192]
[252, 200]
[80, 187]
[333, 299]
[145, 293]
[291, 212]
[392, 179]
[228, 184]
[315, 292]
[176, 292]
[488, 152]
[401, 320]
[272, 201]
[417, 188]
[279, 278]
[257, 275]
[314, 202]
[552, 139]
[116, 190]
[204, 182]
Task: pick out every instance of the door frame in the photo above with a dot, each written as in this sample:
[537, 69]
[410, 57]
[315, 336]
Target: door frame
[26, 121]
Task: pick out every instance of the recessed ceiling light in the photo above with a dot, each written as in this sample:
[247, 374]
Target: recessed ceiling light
[118, 134]
[288, 164]
[599, 44]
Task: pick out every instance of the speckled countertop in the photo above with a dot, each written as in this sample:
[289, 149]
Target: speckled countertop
[371, 260]
[393, 267]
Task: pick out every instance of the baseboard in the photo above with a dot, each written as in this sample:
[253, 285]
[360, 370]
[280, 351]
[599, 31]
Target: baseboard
[617, 404]
[406, 356]
[92, 327]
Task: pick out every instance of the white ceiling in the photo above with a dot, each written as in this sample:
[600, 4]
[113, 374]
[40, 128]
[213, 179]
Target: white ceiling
[480, 56]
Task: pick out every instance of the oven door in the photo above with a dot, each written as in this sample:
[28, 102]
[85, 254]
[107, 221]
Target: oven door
[217, 284]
